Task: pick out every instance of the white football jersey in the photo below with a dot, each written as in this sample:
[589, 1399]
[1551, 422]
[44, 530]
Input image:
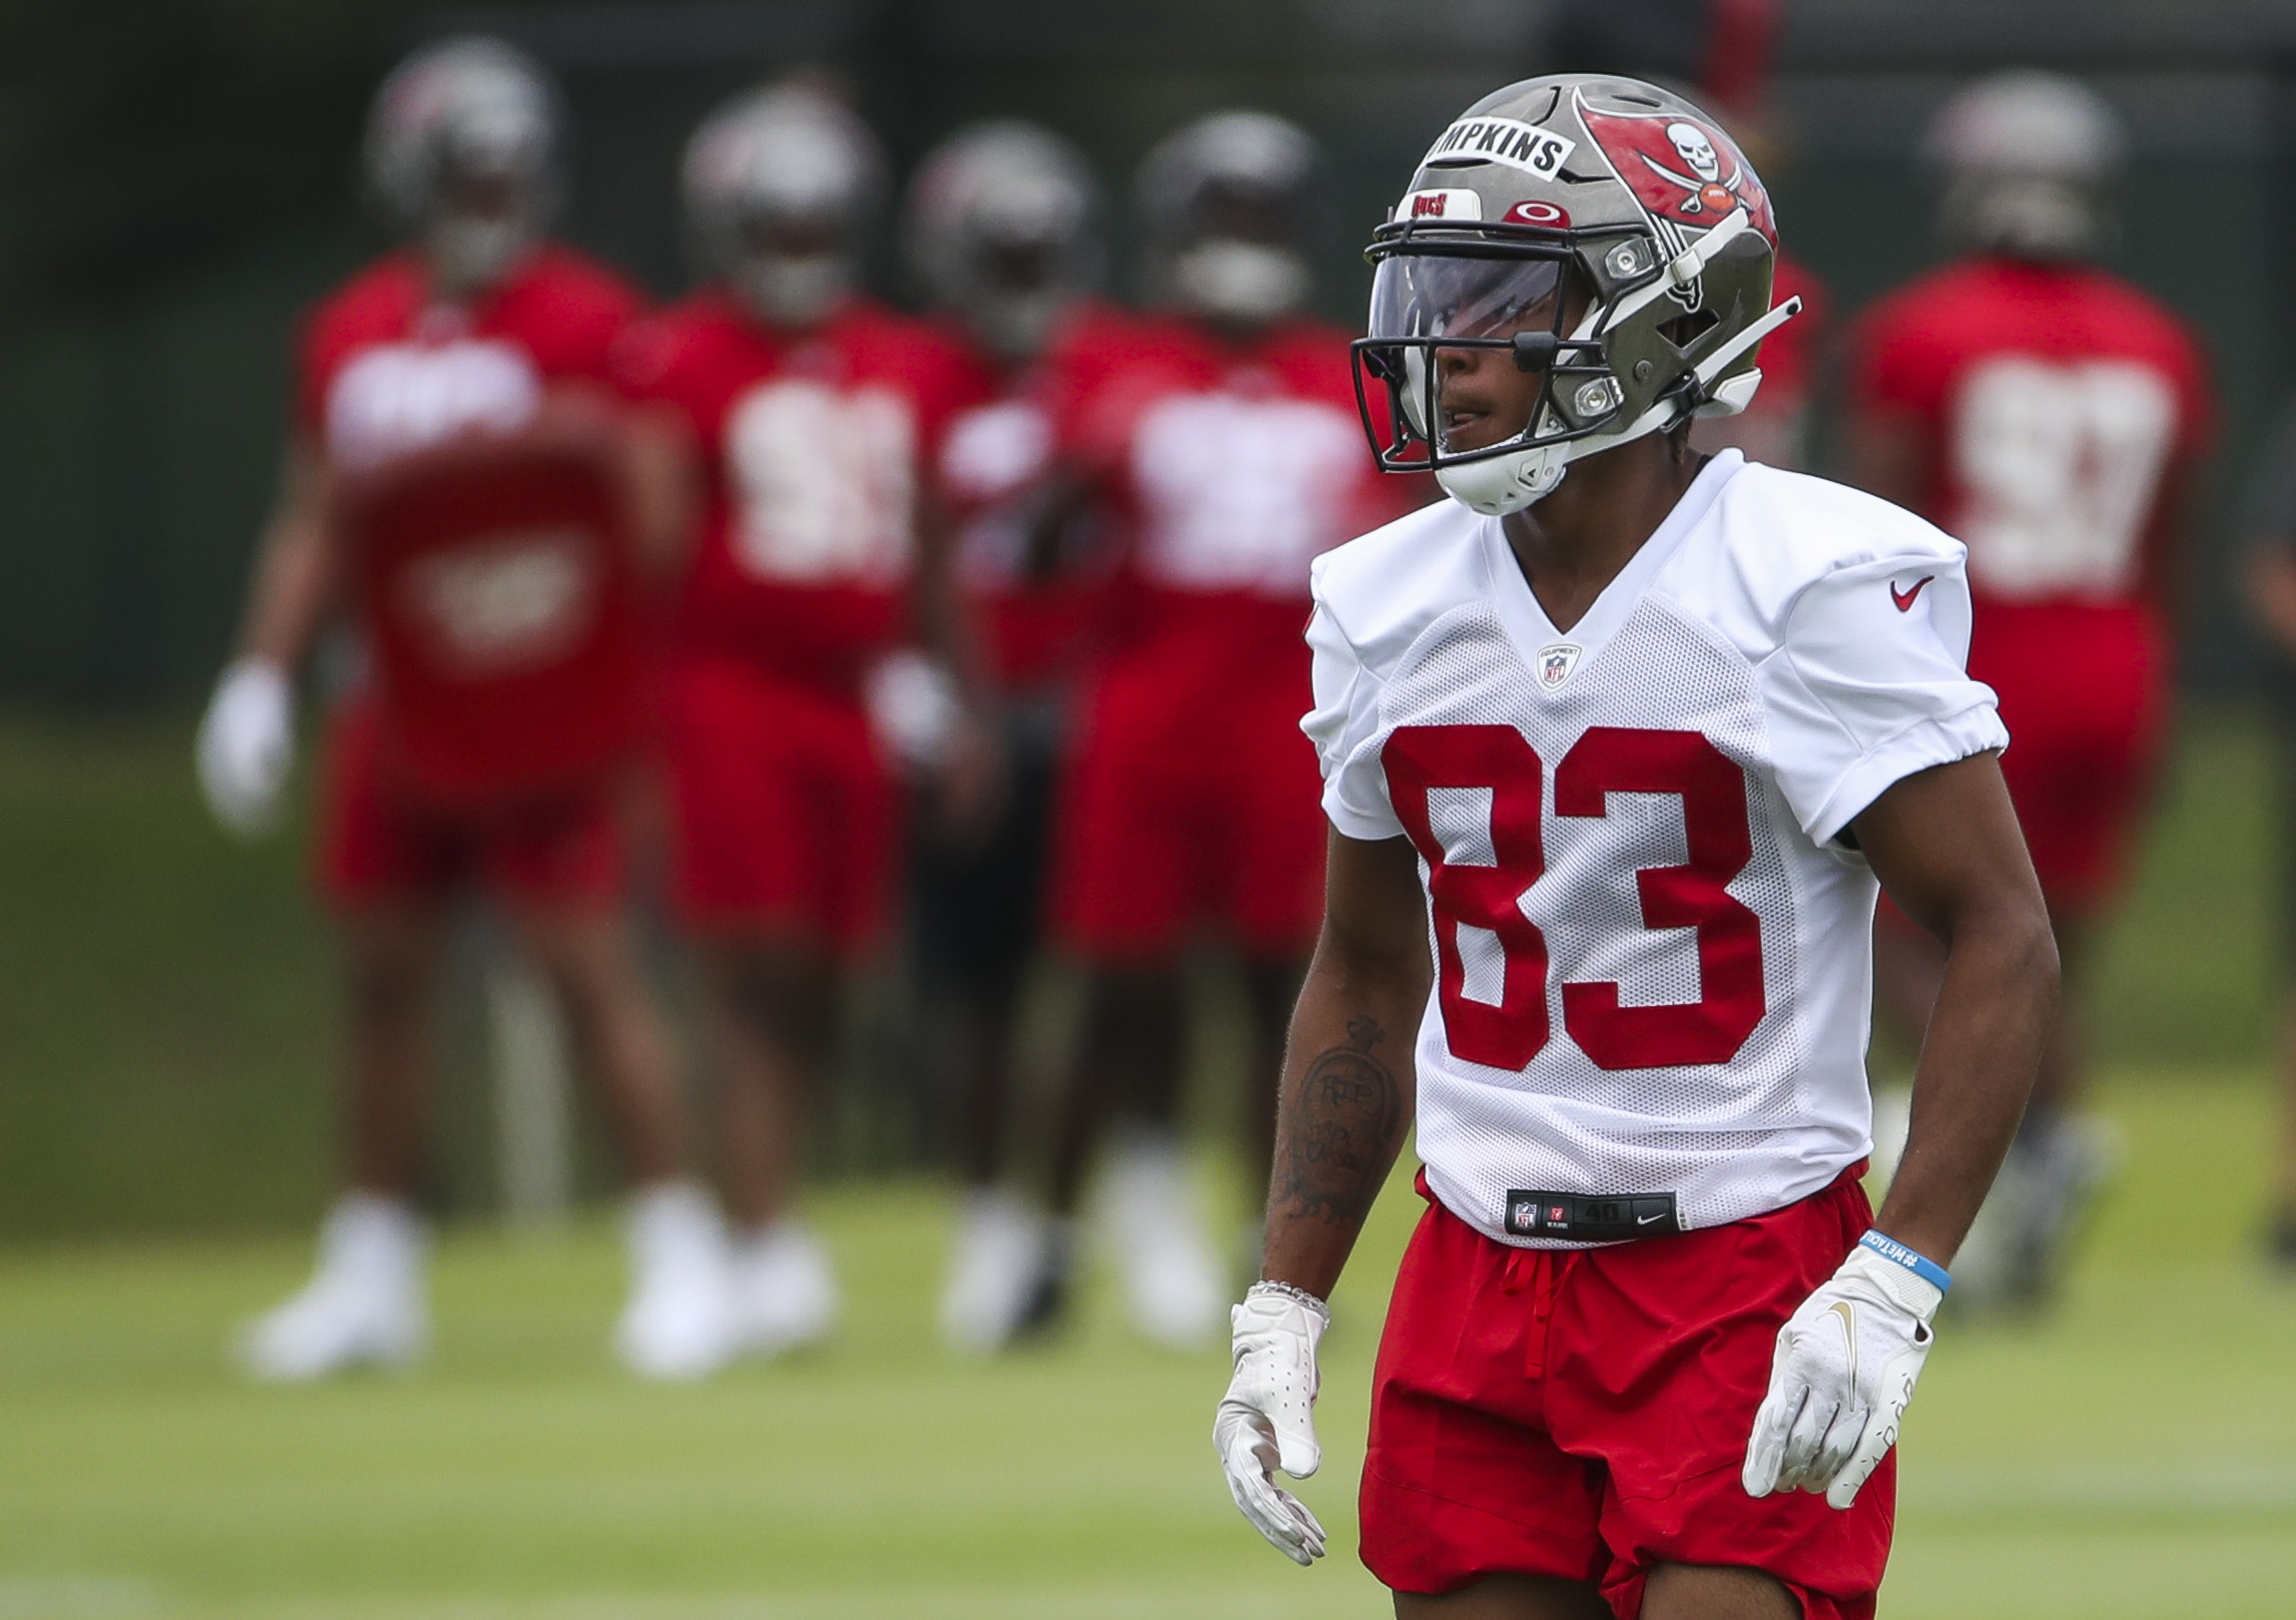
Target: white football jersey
[1653, 958]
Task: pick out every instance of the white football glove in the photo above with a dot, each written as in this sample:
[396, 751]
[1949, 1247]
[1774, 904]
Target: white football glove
[247, 742]
[1845, 1368]
[916, 706]
[1267, 1419]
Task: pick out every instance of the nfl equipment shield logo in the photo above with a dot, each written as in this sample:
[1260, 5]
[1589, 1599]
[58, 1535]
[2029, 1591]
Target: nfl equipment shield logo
[1555, 661]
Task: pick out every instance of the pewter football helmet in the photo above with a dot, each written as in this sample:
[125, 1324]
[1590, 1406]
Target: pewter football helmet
[778, 186]
[2026, 158]
[1224, 208]
[999, 230]
[461, 150]
[1607, 233]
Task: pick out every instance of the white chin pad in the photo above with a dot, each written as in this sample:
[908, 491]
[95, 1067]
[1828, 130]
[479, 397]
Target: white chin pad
[1506, 484]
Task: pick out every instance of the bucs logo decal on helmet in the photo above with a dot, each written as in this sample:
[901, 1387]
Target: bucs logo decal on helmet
[1681, 168]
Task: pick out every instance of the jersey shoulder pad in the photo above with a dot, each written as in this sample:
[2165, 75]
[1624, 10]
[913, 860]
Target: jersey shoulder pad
[1383, 588]
[1782, 532]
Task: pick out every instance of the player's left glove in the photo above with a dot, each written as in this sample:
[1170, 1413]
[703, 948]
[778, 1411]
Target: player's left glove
[246, 742]
[1843, 1374]
[1267, 1419]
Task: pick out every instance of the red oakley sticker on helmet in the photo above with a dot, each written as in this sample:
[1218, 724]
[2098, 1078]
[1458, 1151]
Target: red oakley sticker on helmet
[1551, 215]
[1681, 168]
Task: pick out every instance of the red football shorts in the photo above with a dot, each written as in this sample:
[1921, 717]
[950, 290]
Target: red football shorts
[376, 844]
[1583, 1414]
[1177, 811]
[781, 811]
[2084, 692]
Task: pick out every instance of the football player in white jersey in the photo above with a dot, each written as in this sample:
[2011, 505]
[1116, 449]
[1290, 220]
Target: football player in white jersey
[1630, 738]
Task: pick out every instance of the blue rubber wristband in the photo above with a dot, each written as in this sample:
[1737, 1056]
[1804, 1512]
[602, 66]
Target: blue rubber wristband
[1929, 1270]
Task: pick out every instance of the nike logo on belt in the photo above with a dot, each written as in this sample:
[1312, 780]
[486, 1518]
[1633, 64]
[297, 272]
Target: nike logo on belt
[1905, 599]
[1645, 1220]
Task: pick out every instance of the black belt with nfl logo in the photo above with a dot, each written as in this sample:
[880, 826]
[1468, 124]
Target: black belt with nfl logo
[1582, 1217]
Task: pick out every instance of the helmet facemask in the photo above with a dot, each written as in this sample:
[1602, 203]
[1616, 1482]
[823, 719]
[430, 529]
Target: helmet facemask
[1027, 259]
[486, 216]
[790, 269]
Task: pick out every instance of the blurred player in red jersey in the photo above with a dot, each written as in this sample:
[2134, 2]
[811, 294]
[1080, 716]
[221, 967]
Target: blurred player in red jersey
[1230, 442]
[1000, 228]
[464, 345]
[813, 410]
[2053, 417]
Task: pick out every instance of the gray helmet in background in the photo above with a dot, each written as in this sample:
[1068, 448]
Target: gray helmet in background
[1575, 191]
[461, 150]
[999, 229]
[780, 185]
[1224, 204]
[2026, 158]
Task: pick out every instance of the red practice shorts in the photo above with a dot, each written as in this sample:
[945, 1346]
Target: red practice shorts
[376, 844]
[1583, 1414]
[2084, 690]
[782, 809]
[1180, 812]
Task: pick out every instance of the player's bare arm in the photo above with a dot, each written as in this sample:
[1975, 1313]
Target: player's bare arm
[1340, 1118]
[247, 739]
[663, 465]
[295, 576]
[1347, 1098]
[1946, 845]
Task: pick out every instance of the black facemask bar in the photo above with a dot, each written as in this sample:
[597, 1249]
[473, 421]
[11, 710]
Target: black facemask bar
[1402, 418]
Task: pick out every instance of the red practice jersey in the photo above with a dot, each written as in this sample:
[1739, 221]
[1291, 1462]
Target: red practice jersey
[812, 445]
[2058, 405]
[382, 368]
[491, 548]
[996, 468]
[2058, 411]
[1236, 467]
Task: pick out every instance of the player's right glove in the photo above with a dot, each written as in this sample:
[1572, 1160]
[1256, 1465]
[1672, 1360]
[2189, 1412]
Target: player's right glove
[247, 742]
[1843, 1374]
[1267, 1419]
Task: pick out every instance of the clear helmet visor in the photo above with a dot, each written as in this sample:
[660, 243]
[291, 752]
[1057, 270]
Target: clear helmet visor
[1436, 295]
[1420, 301]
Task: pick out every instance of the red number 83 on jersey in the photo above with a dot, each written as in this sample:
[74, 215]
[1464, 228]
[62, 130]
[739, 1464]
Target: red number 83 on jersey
[1605, 759]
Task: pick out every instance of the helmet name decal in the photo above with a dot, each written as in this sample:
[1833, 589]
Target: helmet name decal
[1680, 169]
[1502, 140]
[1441, 205]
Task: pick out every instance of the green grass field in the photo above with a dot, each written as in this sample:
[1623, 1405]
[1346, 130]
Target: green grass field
[2135, 1456]
[164, 1036]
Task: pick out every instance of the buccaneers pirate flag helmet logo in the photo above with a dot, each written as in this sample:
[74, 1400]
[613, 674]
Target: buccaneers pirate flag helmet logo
[1681, 168]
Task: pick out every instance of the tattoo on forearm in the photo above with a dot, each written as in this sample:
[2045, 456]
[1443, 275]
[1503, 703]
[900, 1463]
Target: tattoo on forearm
[1339, 1130]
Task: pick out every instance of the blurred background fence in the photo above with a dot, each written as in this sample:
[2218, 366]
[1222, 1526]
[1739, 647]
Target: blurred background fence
[178, 177]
